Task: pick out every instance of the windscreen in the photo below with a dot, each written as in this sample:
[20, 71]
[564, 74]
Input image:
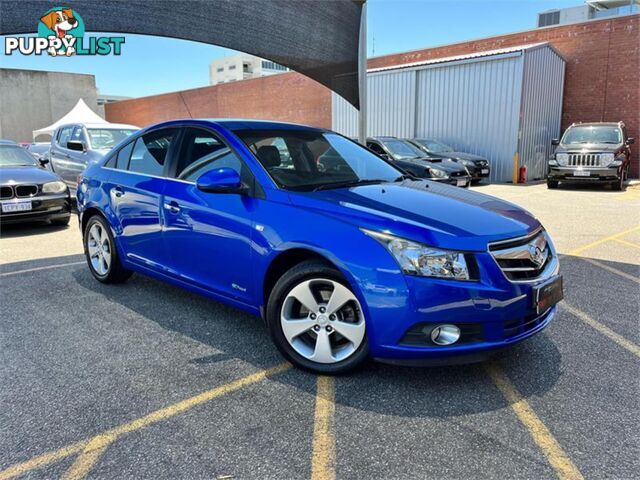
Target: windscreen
[102, 138]
[306, 160]
[14, 156]
[435, 147]
[401, 149]
[592, 134]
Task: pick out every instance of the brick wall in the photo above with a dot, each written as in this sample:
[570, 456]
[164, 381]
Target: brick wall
[289, 97]
[602, 82]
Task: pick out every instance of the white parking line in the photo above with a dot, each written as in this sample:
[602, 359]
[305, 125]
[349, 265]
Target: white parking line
[36, 269]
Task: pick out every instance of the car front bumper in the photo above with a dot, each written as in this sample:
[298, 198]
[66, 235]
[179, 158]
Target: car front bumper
[492, 313]
[590, 174]
[43, 208]
[464, 181]
[478, 172]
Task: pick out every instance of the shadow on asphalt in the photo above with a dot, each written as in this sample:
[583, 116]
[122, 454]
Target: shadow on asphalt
[390, 390]
[13, 230]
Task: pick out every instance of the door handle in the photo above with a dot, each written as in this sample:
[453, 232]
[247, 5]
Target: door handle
[172, 207]
[117, 192]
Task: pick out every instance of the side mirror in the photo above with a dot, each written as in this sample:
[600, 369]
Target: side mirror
[76, 145]
[631, 140]
[43, 161]
[555, 141]
[221, 180]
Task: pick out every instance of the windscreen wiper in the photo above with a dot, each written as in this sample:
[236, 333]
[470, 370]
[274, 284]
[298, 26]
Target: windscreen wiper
[350, 183]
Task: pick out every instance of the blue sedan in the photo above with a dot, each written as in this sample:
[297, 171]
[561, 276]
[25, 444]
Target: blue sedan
[345, 260]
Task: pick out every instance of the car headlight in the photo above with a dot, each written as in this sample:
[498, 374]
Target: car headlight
[562, 159]
[417, 259]
[437, 173]
[606, 159]
[54, 187]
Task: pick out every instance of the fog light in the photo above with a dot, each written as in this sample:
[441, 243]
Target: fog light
[445, 334]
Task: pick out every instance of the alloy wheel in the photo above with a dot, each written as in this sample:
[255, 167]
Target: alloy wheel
[322, 320]
[99, 248]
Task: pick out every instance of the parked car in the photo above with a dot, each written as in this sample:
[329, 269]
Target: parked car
[596, 152]
[411, 159]
[74, 146]
[40, 151]
[477, 166]
[28, 191]
[342, 264]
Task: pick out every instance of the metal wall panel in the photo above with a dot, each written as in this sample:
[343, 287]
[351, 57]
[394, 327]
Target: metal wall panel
[491, 106]
[473, 107]
[541, 109]
[391, 106]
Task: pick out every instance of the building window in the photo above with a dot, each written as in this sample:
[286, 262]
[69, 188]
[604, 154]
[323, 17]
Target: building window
[232, 67]
[549, 18]
[267, 65]
[220, 69]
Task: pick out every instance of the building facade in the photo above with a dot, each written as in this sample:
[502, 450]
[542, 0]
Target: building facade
[241, 67]
[591, 10]
[32, 99]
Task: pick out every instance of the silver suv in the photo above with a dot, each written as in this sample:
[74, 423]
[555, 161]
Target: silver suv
[75, 145]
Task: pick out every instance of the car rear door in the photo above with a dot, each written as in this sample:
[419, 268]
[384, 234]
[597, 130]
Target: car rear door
[136, 186]
[208, 235]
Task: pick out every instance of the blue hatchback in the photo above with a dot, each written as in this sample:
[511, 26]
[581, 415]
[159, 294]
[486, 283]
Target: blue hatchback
[343, 255]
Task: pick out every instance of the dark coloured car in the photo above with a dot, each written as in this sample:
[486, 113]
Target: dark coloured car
[477, 166]
[411, 159]
[596, 152]
[28, 191]
[344, 262]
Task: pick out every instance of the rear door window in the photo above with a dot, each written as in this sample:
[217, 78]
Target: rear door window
[122, 160]
[150, 152]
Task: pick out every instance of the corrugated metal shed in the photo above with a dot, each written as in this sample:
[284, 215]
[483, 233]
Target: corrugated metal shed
[495, 104]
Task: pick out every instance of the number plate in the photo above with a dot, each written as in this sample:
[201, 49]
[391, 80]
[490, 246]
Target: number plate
[461, 183]
[484, 171]
[16, 206]
[582, 173]
[547, 295]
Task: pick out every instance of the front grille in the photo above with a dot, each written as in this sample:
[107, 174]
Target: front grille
[6, 192]
[459, 173]
[26, 190]
[584, 160]
[523, 259]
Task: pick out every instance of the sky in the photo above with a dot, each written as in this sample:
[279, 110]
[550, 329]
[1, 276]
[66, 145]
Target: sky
[151, 65]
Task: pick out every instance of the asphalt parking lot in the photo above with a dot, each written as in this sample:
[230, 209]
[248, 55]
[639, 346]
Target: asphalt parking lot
[144, 380]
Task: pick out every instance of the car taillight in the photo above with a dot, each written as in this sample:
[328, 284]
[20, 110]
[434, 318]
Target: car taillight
[79, 179]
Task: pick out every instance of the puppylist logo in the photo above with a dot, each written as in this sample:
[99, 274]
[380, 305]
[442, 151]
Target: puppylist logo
[61, 34]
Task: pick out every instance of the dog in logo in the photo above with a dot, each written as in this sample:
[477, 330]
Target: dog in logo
[60, 21]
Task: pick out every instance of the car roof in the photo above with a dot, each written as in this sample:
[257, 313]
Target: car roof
[382, 138]
[7, 142]
[596, 124]
[104, 126]
[239, 124]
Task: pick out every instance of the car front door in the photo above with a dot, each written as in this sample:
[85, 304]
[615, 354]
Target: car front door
[136, 186]
[208, 235]
[77, 160]
[61, 162]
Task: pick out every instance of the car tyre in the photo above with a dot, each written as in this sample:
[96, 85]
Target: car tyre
[552, 184]
[302, 349]
[101, 252]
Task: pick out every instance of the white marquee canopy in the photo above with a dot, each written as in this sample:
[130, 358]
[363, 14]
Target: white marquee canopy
[81, 113]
